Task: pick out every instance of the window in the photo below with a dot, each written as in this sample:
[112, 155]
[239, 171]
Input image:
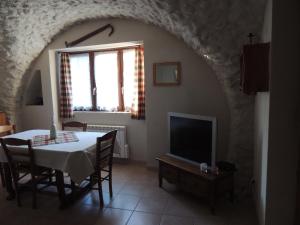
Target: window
[103, 80]
[128, 76]
[81, 83]
[106, 77]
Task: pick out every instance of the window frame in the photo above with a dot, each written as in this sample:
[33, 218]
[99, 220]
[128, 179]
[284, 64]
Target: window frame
[120, 86]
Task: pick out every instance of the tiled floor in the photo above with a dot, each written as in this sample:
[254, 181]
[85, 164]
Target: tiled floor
[137, 201]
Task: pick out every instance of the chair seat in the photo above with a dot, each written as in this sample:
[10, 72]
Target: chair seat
[26, 168]
[41, 172]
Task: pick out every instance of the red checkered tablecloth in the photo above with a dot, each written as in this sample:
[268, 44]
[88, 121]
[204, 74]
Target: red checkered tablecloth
[62, 137]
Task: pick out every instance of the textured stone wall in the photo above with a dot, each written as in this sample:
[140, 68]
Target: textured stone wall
[215, 29]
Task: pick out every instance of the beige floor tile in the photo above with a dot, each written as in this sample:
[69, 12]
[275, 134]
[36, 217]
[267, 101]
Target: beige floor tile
[44, 201]
[122, 201]
[140, 176]
[152, 205]
[78, 215]
[241, 213]
[133, 189]
[141, 218]
[237, 220]
[92, 198]
[209, 219]
[120, 177]
[116, 185]
[185, 206]
[114, 217]
[169, 187]
[176, 220]
[156, 192]
[13, 215]
[143, 205]
[145, 181]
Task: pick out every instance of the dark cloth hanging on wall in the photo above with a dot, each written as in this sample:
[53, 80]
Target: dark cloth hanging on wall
[255, 68]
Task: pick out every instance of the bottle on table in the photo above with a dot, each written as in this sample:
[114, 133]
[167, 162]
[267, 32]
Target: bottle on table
[53, 132]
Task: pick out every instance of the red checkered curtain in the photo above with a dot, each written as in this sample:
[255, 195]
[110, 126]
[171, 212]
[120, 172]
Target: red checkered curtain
[138, 104]
[66, 110]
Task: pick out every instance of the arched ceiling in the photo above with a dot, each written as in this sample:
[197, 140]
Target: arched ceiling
[214, 29]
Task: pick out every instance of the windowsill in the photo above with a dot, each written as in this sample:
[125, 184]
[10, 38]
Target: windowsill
[100, 112]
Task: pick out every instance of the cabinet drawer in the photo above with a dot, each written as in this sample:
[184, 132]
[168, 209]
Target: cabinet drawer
[170, 173]
[224, 185]
[194, 185]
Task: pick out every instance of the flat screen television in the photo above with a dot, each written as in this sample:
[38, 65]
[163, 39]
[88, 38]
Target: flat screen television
[192, 137]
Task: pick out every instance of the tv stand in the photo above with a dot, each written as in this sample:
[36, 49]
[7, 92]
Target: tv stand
[189, 178]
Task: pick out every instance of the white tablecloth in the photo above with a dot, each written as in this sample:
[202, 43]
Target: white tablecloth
[72, 157]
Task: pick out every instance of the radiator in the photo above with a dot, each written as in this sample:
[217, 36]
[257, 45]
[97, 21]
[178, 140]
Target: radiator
[121, 149]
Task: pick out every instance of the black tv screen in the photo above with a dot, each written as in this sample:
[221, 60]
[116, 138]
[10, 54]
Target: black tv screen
[192, 137]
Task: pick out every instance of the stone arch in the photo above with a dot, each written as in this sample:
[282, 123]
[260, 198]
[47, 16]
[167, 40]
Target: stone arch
[214, 29]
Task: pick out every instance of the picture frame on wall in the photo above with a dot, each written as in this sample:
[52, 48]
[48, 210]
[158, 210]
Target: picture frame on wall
[166, 73]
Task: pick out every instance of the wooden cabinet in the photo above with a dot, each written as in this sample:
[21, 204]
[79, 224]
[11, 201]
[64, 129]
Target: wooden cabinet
[3, 119]
[189, 178]
[255, 68]
[171, 174]
[193, 184]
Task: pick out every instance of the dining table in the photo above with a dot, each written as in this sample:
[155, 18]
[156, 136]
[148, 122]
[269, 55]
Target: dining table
[72, 153]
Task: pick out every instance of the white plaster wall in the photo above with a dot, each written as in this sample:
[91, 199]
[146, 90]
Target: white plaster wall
[199, 93]
[136, 130]
[261, 131]
[284, 124]
[214, 29]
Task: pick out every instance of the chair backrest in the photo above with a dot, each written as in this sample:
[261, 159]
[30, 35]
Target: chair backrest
[7, 129]
[105, 149]
[16, 155]
[74, 124]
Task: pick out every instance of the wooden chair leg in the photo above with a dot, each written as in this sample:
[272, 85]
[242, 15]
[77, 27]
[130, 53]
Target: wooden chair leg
[15, 181]
[9, 182]
[50, 175]
[91, 181]
[34, 190]
[73, 187]
[61, 188]
[18, 195]
[2, 175]
[110, 185]
[100, 191]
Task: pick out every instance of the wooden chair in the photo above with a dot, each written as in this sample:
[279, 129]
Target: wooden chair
[5, 130]
[104, 156]
[74, 124]
[23, 162]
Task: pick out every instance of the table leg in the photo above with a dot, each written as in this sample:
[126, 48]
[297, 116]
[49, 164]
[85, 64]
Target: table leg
[159, 176]
[212, 200]
[8, 182]
[60, 184]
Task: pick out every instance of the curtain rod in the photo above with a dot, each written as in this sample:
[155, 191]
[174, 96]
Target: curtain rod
[101, 48]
